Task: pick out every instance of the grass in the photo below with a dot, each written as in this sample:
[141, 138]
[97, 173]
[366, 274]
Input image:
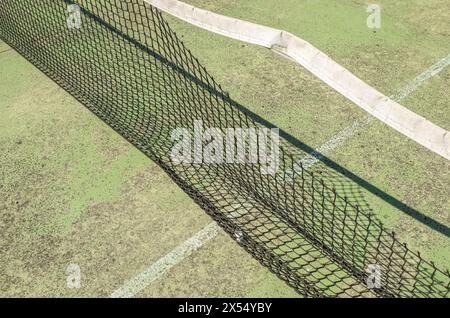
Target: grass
[405, 46]
[73, 191]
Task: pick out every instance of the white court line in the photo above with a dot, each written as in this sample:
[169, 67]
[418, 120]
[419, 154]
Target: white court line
[336, 76]
[138, 283]
[357, 125]
[132, 287]
[432, 71]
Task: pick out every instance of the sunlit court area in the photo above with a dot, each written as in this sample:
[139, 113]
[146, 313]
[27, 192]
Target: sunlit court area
[228, 148]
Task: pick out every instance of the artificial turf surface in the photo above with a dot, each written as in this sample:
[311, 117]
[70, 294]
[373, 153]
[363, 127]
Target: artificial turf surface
[73, 191]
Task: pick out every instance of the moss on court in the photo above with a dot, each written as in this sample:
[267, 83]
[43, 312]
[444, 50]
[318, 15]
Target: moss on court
[400, 181]
[73, 191]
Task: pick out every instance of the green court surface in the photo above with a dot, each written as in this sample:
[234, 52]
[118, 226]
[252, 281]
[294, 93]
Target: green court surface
[75, 192]
[397, 179]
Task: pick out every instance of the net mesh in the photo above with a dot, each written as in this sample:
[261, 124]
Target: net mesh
[128, 67]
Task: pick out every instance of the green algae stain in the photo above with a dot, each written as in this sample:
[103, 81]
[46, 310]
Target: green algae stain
[93, 180]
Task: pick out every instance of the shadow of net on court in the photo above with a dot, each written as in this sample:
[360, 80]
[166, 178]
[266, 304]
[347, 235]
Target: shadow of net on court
[126, 65]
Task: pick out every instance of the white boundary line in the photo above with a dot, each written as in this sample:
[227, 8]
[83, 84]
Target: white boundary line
[429, 73]
[139, 282]
[336, 76]
[135, 285]
[357, 125]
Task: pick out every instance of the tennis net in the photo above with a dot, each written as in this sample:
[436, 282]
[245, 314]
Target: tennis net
[121, 59]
